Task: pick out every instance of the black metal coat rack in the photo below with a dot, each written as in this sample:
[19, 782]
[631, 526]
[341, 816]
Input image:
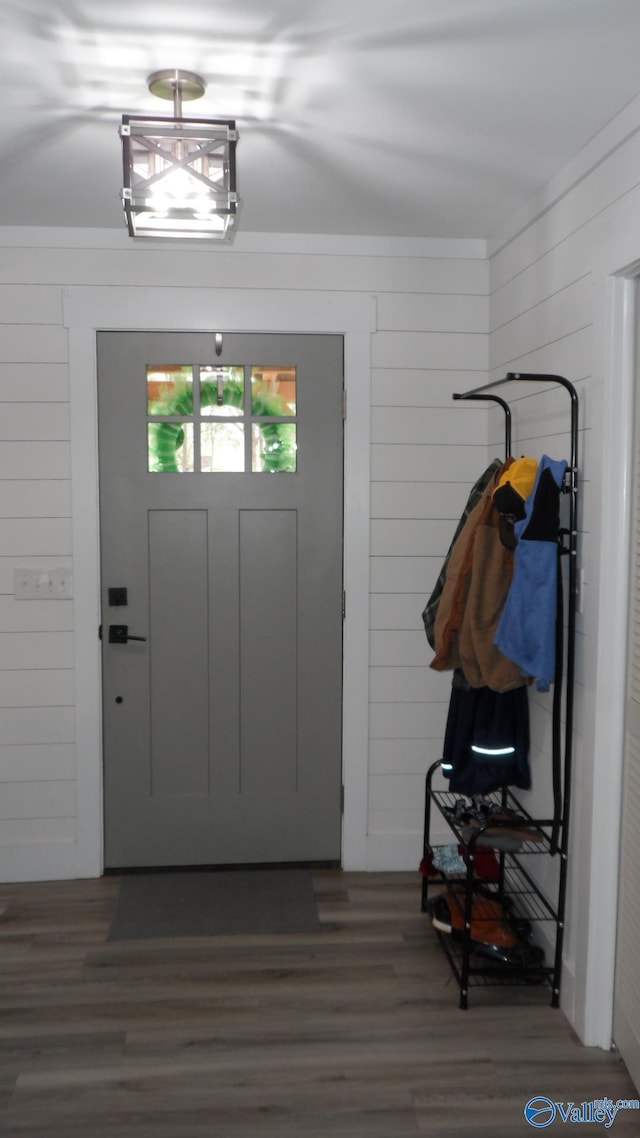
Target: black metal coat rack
[557, 827]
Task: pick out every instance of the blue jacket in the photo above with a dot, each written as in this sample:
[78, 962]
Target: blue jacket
[526, 632]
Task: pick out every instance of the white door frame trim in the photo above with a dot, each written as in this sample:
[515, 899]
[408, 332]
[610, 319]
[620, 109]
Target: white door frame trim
[88, 310]
[593, 1010]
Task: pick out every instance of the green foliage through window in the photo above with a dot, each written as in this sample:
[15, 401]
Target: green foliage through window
[166, 439]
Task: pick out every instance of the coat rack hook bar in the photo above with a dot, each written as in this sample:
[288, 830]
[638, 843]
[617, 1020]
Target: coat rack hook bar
[533, 377]
[505, 407]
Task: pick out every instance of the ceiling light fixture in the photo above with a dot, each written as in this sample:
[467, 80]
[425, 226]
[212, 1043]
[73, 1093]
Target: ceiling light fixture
[179, 174]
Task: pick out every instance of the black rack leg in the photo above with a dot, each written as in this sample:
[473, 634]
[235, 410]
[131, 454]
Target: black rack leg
[466, 933]
[557, 965]
[425, 845]
[426, 838]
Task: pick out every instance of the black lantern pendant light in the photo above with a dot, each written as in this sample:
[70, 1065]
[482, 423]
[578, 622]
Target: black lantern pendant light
[179, 174]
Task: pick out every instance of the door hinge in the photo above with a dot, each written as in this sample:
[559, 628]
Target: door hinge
[344, 604]
[342, 799]
[344, 403]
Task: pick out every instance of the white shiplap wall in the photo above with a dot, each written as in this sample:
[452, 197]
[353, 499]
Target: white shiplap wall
[37, 759]
[551, 311]
[431, 339]
[426, 453]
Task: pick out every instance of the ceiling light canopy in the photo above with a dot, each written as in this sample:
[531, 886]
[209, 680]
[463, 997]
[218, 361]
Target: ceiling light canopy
[179, 174]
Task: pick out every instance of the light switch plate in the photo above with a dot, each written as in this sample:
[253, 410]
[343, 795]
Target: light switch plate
[54, 584]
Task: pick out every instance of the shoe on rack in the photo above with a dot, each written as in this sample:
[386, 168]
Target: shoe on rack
[509, 822]
[491, 922]
[520, 925]
[486, 865]
[438, 910]
[496, 838]
[488, 923]
[520, 955]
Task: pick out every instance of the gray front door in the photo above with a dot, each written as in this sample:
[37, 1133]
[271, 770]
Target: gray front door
[221, 477]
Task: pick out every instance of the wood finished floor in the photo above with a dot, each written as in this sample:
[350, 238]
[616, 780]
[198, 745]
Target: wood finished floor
[352, 1031]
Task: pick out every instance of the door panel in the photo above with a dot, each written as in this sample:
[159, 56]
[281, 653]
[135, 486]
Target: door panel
[268, 646]
[179, 697]
[221, 514]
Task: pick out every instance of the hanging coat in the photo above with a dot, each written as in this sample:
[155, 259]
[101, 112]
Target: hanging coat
[431, 608]
[477, 580]
[483, 664]
[452, 603]
[526, 633]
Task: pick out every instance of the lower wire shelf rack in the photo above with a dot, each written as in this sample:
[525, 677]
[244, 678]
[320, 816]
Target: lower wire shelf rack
[491, 914]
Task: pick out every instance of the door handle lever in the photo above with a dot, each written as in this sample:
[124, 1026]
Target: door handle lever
[119, 634]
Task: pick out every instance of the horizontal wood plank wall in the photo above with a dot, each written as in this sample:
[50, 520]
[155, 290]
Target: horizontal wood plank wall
[431, 340]
[426, 453]
[37, 798]
[549, 314]
[542, 315]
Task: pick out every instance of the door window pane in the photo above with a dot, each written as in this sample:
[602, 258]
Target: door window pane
[222, 391]
[273, 391]
[273, 447]
[222, 447]
[210, 436]
[169, 389]
[170, 447]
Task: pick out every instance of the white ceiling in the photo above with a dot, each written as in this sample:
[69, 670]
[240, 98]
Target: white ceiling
[418, 118]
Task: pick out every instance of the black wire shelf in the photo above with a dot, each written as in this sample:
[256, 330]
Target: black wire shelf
[483, 974]
[446, 801]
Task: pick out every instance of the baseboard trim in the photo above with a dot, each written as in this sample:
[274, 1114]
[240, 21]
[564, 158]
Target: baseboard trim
[38, 861]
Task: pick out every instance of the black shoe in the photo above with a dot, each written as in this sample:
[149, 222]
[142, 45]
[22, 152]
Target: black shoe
[521, 955]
